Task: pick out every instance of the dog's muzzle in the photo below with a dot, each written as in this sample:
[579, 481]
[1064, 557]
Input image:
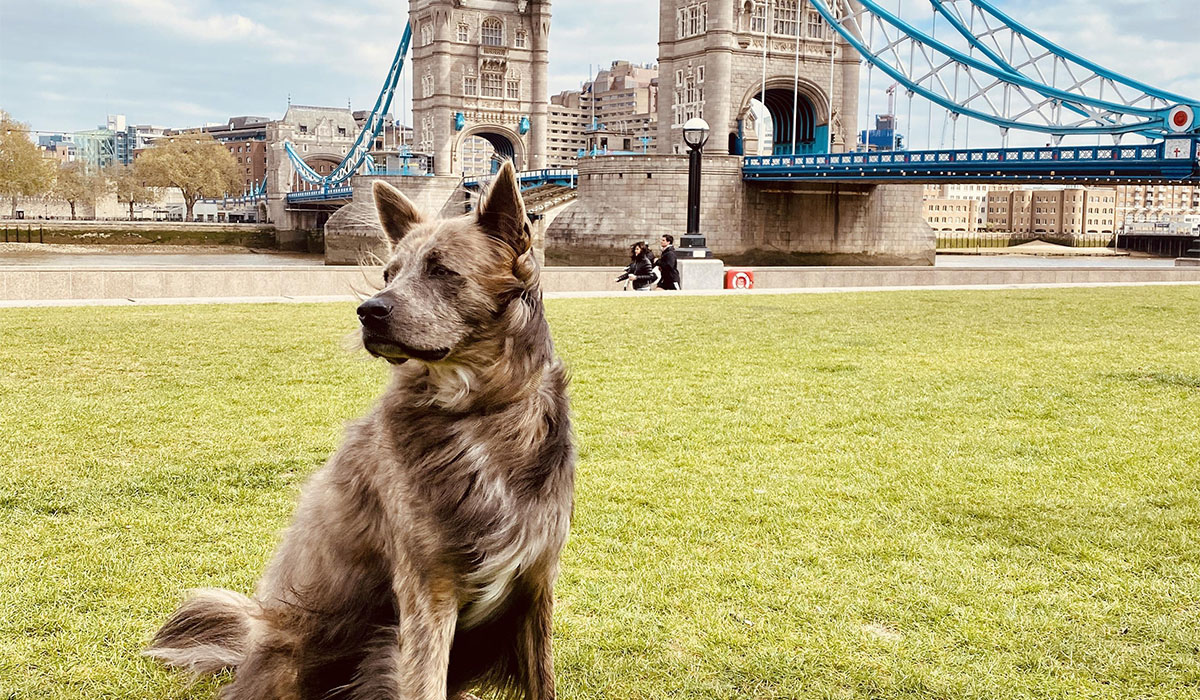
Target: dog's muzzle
[374, 315]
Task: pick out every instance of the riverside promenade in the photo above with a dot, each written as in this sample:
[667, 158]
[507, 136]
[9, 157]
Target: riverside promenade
[82, 284]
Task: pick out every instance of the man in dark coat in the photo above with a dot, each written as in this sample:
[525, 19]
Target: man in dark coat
[668, 269]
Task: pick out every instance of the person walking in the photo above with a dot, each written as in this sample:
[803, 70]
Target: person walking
[668, 266]
[640, 271]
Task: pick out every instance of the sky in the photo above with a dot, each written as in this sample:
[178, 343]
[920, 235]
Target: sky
[65, 64]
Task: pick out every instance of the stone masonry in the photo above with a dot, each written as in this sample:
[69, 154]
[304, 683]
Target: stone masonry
[322, 136]
[353, 233]
[623, 199]
[487, 60]
[710, 56]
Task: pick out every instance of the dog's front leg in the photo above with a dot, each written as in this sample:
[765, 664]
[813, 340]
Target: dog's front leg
[428, 615]
[537, 661]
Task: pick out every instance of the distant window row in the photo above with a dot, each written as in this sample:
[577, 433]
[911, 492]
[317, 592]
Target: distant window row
[491, 33]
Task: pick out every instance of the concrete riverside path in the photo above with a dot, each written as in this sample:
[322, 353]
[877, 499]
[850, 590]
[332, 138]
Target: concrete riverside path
[130, 285]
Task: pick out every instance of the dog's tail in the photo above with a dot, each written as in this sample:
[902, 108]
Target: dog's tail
[208, 633]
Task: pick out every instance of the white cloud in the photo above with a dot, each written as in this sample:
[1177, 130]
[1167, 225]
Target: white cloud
[204, 60]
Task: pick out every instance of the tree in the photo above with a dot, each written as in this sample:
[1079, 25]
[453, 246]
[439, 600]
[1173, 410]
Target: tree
[24, 169]
[130, 184]
[195, 163]
[75, 184]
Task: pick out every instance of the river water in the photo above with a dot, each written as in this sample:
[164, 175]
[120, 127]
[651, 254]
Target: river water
[1015, 260]
[34, 255]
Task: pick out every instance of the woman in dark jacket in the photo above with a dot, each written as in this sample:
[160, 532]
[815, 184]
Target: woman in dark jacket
[640, 271]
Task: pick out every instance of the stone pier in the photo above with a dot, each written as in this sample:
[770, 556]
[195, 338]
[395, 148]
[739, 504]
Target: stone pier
[352, 234]
[623, 199]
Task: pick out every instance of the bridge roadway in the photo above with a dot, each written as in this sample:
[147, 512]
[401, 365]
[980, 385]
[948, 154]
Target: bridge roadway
[1173, 161]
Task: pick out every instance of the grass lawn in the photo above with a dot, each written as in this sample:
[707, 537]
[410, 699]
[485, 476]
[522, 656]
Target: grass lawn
[893, 495]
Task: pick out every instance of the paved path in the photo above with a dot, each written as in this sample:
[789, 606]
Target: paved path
[342, 299]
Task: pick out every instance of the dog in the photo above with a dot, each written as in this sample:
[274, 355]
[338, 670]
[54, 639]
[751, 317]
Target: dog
[421, 561]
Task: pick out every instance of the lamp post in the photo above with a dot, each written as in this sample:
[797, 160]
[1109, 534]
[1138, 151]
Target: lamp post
[695, 135]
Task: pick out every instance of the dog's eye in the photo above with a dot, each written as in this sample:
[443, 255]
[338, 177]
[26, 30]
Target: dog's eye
[440, 270]
[387, 276]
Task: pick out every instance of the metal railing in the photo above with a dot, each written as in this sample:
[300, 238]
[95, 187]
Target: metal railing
[1174, 159]
[532, 178]
[320, 195]
[983, 240]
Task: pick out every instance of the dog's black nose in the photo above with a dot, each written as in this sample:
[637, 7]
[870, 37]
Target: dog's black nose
[373, 310]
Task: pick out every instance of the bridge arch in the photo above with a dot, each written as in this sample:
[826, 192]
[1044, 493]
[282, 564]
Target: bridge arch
[507, 145]
[322, 163]
[811, 115]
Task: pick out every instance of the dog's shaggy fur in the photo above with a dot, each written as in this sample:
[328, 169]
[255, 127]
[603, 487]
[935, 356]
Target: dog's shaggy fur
[422, 557]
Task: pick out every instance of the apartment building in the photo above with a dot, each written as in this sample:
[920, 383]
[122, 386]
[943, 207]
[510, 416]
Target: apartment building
[1069, 211]
[615, 111]
[1137, 203]
[565, 134]
[945, 214]
[958, 207]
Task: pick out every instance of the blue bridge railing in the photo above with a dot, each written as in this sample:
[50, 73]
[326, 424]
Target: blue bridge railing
[321, 195]
[528, 179]
[1173, 160]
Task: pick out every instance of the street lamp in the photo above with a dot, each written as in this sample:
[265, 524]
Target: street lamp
[695, 135]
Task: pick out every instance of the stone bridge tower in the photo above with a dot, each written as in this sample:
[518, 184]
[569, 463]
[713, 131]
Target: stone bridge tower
[479, 68]
[711, 57]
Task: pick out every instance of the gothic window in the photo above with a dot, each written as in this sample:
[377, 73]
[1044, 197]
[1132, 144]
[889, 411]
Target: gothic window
[492, 85]
[470, 85]
[692, 20]
[492, 32]
[816, 26]
[426, 142]
[521, 40]
[464, 33]
[758, 18]
[427, 85]
[697, 18]
[786, 18]
[426, 33]
[514, 89]
[689, 94]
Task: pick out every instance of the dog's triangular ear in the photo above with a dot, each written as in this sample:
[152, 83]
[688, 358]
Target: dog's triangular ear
[397, 213]
[502, 211]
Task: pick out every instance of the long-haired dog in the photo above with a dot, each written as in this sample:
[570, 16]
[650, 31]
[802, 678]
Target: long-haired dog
[422, 557]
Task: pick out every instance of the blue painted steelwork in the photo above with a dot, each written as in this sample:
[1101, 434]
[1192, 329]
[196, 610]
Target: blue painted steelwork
[528, 179]
[1036, 107]
[322, 195]
[1012, 24]
[407, 168]
[810, 138]
[1174, 160]
[1001, 39]
[259, 192]
[358, 153]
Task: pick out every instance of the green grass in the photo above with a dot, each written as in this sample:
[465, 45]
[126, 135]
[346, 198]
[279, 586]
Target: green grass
[893, 495]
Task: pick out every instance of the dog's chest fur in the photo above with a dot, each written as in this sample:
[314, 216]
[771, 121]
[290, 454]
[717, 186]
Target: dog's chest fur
[489, 492]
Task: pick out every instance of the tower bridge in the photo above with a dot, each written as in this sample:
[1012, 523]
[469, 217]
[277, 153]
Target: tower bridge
[479, 69]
